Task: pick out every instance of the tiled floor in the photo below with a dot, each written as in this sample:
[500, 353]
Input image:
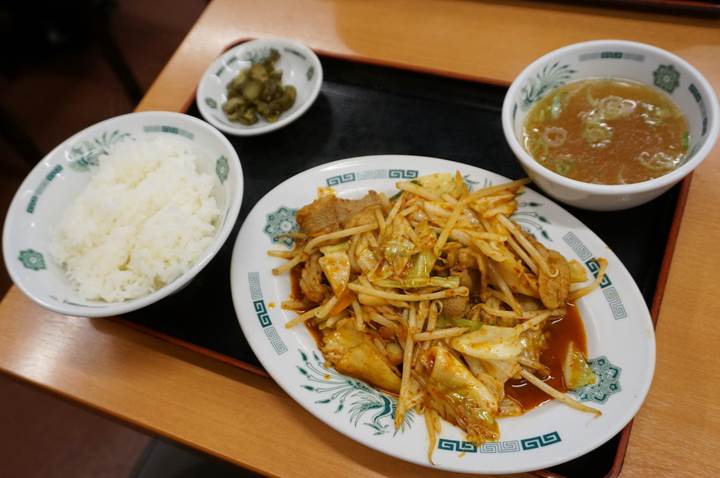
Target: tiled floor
[46, 437]
[41, 435]
[164, 459]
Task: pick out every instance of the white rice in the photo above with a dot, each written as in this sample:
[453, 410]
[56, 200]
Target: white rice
[145, 217]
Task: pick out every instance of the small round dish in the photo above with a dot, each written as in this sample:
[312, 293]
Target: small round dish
[50, 187]
[645, 64]
[300, 66]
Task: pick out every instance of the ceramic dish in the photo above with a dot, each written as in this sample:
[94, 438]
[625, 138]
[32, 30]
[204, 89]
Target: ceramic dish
[620, 337]
[62, 174]
[646, 64]
[300, 66]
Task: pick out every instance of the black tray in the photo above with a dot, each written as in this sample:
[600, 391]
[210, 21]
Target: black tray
[364, 110]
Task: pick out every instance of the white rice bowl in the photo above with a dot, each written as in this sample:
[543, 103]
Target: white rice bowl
[144, 218]
[101, 226]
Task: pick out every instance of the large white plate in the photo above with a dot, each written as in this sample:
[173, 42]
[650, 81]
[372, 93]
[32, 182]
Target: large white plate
[620, 337]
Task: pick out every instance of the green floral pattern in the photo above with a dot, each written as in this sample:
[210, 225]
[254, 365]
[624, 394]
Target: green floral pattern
[362, 403]
[211, 103]
[222, 169]
[667, 78]
[281, 222]
[86, 154]
[470, 183]
[256, 56]
[32, 259]
[532, 221]
[551, 76]
[295, 52]
[608, 382]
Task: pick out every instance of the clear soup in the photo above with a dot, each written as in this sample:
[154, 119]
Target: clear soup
[607, 131]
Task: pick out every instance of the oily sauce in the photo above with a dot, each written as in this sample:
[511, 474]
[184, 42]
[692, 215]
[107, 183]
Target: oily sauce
[560, 333]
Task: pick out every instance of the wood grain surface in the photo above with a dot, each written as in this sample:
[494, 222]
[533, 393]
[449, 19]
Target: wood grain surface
[248, 419]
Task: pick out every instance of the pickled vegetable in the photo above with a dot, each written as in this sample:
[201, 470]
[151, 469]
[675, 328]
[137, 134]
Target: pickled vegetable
[257, 92]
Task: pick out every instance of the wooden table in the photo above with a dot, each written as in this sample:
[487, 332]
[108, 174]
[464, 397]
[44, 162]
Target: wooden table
[247, 419]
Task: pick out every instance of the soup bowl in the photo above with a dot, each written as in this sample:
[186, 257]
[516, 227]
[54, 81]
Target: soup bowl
[639, 62]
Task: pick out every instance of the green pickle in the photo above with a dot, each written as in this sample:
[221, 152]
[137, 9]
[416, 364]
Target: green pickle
[257, 92]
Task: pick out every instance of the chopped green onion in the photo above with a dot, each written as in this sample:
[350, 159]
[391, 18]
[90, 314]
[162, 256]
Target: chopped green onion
[590, 98]
[537, 147]
[563, 168]
[557, 106]
[444, 322]
[597, 134]
[471, 324]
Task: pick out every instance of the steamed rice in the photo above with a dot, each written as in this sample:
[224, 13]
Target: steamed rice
[145, 217]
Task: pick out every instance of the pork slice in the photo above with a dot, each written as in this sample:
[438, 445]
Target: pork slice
[349, 208]
[318, 217]
[329, 213]
[311, 281]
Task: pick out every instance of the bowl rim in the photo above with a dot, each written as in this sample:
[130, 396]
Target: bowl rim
[242, 130]
[660, 182]
[116, 308]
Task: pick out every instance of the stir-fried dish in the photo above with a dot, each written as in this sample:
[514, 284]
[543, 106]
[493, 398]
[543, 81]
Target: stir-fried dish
[438, 296]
